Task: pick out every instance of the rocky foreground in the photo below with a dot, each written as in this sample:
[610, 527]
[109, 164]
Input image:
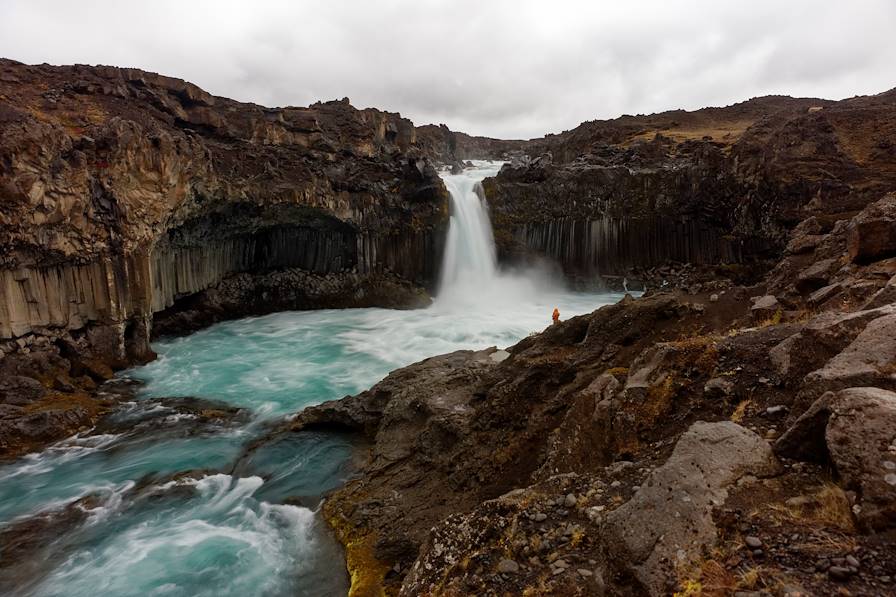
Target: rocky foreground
[738, 440]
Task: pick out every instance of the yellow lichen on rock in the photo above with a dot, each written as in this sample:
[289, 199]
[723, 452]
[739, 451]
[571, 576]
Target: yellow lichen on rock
[366, 571]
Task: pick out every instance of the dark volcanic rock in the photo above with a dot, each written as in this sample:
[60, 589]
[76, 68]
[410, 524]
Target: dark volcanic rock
[293, 289]
[872, 236]
[627, 194]
[19, 390]
[135, 190]
[856, 430]
[42, 426]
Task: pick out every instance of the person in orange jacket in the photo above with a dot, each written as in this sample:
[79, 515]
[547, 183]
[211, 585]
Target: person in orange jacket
[556, 315]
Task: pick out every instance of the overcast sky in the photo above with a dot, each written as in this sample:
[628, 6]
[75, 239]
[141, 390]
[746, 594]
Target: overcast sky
[489, 67]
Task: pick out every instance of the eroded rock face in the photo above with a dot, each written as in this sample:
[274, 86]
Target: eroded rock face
[19, 391]
[21, 428]
[823, 337]
[125, 191]
[824, 276]
[869, 359]
[709, 187]
[872, 235]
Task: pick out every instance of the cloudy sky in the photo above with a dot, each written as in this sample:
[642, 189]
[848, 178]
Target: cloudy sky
[491, 67]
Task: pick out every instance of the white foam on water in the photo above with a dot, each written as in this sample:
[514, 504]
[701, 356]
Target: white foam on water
[110, 498]
[62, 452]
[221, 542]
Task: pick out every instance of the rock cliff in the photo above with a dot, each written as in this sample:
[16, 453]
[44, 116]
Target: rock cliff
[127, 196]
[452, 147]
[711, 187]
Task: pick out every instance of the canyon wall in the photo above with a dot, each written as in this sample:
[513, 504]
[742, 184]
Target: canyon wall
[715, 187]
[450, 147]
[124, 192]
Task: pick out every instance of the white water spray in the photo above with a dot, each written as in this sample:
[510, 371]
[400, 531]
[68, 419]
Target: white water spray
[470, 278]
[470, 258]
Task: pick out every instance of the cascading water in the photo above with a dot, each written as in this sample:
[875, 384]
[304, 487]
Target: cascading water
[471, 281]
[470, 258]
[168, 502]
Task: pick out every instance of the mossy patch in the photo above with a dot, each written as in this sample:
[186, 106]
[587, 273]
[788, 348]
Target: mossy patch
[367, 572]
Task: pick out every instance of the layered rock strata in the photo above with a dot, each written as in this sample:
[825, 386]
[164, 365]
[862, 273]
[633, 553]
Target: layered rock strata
[718, 186]
[125, 193]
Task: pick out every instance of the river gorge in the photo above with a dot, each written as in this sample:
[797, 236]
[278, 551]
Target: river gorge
[186, 494]
[310, 350]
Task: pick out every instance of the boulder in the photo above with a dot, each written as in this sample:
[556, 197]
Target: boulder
[765, 307]
[507, 566]
[718, 387]
[872, 233]
[856, 429]
[859, 437]
[19, 390]
[807, 235]
[869, 360]
[805, 439]
[823, 337]
[824, 294]
[816, 275]
[707, 459]
[884, 296]
[8, 411]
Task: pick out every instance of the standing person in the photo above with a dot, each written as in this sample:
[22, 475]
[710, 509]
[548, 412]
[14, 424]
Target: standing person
[556, 315]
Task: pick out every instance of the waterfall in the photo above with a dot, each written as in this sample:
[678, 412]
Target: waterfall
[470, 257]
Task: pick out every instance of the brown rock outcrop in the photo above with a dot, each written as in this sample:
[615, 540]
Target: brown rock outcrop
[856, 429]
[717, 186]
[872, 235]
[126, 194]
[124, 191]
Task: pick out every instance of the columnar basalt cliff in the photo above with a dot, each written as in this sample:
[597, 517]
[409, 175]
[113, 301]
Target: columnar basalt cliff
[127, 196]
[714, 186]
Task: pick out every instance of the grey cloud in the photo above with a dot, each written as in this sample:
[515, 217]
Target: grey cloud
[500, 68]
